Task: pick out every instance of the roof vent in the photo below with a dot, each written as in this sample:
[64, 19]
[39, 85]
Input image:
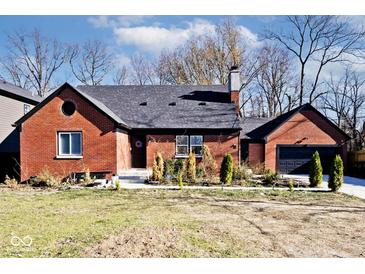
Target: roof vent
[172, 104]
[202, 104]
[143, 104]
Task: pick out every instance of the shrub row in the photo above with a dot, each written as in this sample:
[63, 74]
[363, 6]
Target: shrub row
[335, 178]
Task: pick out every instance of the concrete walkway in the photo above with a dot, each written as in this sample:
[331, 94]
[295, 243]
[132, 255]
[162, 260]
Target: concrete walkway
[352, 186]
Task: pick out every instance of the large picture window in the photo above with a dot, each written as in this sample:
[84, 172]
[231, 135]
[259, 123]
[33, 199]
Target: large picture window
[186, 144]
[70, 144]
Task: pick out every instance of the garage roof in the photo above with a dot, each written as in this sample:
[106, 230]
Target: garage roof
[265, 127]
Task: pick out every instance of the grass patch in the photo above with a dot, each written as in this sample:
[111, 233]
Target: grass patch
[191, 223]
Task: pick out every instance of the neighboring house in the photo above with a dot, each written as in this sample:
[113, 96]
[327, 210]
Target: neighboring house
[108, 129]
[14, 103]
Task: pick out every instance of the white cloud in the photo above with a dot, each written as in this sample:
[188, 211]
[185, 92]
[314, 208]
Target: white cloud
[251, 39]
[155, 38]
[133, 31]
[101, 21]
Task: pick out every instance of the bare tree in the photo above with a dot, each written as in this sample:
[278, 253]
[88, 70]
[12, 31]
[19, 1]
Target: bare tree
[91, 62]
[120, 76]
[321, 40]
[207, 59]
[275, 80]
[226, 49]
[13, 73]
[344, 104]
[33, 60]
[142, 70]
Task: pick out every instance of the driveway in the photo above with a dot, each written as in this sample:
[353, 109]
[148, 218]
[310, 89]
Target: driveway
[352, 186]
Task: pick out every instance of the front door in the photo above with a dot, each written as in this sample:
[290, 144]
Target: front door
[138, 151]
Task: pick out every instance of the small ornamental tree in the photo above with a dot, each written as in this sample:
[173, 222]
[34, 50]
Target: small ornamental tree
[226, 172]
[191, 168]
[157, 168]
[208, 164]
[315, 171]
[335, 179]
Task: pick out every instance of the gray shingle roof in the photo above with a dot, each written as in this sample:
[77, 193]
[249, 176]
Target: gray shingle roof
[102, 107]
[260, 128]
[249, 124]
[19, 92]
[187, 106]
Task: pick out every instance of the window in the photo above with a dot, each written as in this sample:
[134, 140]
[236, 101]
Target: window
[196, 144]
[186, 144]
[68, 108]
[26, 108]
[69, 144]
[182, 145]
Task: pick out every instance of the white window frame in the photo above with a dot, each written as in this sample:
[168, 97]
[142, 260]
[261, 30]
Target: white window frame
[26, 108]
[191, 146]
[70, 155]
[187, 146]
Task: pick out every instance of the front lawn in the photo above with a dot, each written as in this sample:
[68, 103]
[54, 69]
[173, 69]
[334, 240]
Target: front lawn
[170, 223]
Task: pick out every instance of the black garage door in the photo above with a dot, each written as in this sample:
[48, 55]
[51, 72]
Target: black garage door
[296, 158]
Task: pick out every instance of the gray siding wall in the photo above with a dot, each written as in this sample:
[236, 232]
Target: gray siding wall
[10, 111]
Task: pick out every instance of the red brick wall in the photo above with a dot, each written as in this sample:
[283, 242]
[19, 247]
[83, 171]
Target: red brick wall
[164, 144]
[39, 138]
[218, 145]
[256, 154]
[235, 98]
[306, 127]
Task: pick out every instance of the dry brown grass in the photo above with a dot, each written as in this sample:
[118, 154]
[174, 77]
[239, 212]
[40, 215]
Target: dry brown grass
[166, 223]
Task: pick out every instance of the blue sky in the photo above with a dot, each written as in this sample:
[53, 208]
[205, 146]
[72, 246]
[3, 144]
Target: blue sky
[125, 34]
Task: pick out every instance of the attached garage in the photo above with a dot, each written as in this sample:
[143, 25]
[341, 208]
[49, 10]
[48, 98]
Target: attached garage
[295, 159]
[288, 141]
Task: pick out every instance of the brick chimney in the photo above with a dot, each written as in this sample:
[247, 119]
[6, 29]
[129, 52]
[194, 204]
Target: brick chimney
[234, 86]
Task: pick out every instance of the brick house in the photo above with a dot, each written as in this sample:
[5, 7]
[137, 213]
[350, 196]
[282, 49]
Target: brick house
[108, 129]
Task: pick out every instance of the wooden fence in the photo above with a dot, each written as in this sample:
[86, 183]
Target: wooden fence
[356, 163]
[358, 156]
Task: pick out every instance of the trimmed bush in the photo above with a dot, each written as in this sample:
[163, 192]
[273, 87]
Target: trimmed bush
[226, 172]
[315, 171]
[191, 168]
[157, 168]
[335, 179]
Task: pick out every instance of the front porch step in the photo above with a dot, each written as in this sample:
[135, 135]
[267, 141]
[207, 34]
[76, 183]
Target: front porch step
[134, 175]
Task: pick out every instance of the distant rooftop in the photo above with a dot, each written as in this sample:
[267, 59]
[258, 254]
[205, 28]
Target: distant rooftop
[18, 93]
